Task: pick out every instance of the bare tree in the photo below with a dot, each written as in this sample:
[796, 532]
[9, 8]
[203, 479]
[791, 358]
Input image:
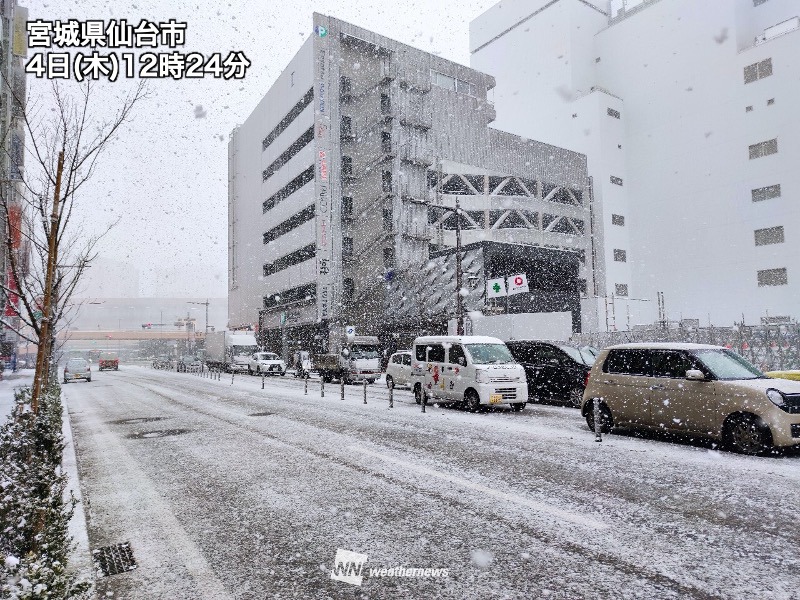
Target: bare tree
[47, 252]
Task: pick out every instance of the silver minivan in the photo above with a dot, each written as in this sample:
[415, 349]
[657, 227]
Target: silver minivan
[696, 389]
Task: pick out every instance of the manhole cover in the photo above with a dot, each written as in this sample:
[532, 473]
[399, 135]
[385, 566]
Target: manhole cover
[261, 414]
[158, 433]
[115, 559]
[137, 420]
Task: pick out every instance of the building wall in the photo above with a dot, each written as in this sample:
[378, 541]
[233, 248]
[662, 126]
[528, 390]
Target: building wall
[402, 125]
[674, 70]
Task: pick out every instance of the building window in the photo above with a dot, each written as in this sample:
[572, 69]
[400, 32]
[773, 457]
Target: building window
[766, 193]
[770, 277]
[583, 288]
[347, 166]
[771, 101]
[758, 71]
[618, 220]
[348, 290]
[748, 109]
[770, 235]
[347, 208]
[289, 224]
[347, 248]
[289, 153]
[289, 189]
[764, 148]
[387, 219]
[387, 181]
[616, 180]
[345, 86]
[288, 119]
[346, 128]
[388, 258]
[293, 258]
[453, 84]
[620, 256]
[386, 142]
[621, 289]
[613, 113]
[386, 104]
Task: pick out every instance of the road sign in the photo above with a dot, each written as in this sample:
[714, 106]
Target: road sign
[495, 287]
[350, 331]
[517, 284]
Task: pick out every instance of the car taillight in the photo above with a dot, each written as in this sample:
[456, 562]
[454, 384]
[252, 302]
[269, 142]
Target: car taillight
[586, 380]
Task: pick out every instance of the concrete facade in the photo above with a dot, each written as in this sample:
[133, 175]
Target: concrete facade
[679, 106]
[340, 181]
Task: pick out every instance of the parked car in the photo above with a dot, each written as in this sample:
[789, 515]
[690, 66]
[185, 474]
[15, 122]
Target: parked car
[77, 368]
[794, 375]
[696, 389]
[472, 370]
[268, 363]
[189, 363]
[108, 360]
[554, 370]
[162, 361]
[398, 369]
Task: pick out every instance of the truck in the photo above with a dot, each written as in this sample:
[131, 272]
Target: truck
[230, 351]
[350, 359]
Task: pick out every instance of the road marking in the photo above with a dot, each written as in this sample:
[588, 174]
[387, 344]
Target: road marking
[564, 515]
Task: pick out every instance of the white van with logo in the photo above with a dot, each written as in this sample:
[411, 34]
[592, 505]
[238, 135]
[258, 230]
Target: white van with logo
[467, 369]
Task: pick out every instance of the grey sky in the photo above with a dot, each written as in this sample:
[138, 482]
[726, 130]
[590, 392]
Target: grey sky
[166, 175]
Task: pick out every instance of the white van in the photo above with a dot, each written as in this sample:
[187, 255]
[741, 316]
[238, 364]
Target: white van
[471, 369]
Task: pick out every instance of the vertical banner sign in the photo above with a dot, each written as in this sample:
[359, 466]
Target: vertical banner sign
[322, 171]
[495, 288]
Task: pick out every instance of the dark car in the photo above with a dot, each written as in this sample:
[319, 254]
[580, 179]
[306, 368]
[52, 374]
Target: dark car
[555, 371]
[189, 363]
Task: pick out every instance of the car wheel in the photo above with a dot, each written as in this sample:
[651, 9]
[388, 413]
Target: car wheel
[66, 381]
[473, 401]
[747, 434]
[606, 420]
[89, 380]
[389, 382]
[249, 370]
[283, 373]
[576, 397]
[418, 393]
[518, 406]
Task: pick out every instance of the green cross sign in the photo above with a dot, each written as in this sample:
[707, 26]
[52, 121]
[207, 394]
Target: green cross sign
[496, 287]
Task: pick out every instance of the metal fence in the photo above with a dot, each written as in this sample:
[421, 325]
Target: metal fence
[770, 348]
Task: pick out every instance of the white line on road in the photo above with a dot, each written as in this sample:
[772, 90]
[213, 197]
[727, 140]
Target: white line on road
[564, 515]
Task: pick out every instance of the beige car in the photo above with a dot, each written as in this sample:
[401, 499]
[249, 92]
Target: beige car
[695, 389]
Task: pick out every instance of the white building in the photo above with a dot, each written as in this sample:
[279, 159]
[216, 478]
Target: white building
[686, 111]
[346, 176]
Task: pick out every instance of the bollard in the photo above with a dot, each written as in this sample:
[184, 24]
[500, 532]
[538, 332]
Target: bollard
[424, 399]
[305, 387]
[341, 387]
[321, 387]
[598, 436]
[365, 391]
[232, 374]
[391, 397]
[262, 381]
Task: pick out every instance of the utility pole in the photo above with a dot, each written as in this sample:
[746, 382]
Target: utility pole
[459, 271]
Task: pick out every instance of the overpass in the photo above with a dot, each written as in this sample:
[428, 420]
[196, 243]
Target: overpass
[129, 335]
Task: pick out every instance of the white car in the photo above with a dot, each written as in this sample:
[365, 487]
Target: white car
[398, 371]
[268, 363]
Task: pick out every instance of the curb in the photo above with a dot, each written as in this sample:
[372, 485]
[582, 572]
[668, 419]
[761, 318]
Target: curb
[80, 559]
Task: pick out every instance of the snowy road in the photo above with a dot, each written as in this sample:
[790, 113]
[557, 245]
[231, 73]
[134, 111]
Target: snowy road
[231, 491]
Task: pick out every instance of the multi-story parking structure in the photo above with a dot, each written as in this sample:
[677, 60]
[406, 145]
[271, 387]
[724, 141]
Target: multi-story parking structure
[346, 176]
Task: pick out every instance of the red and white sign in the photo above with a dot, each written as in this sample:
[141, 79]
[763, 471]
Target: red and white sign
[517, 284]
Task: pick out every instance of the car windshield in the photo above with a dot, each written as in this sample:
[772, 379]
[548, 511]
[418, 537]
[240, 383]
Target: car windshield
[237, 350]
[489, 354]
[579, 355]
[108, 356]
[364, 352]
[77, 363]
[266, 356]
[725, 364]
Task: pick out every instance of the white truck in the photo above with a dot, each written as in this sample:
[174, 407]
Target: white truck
[350, 359]
[230, 350]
